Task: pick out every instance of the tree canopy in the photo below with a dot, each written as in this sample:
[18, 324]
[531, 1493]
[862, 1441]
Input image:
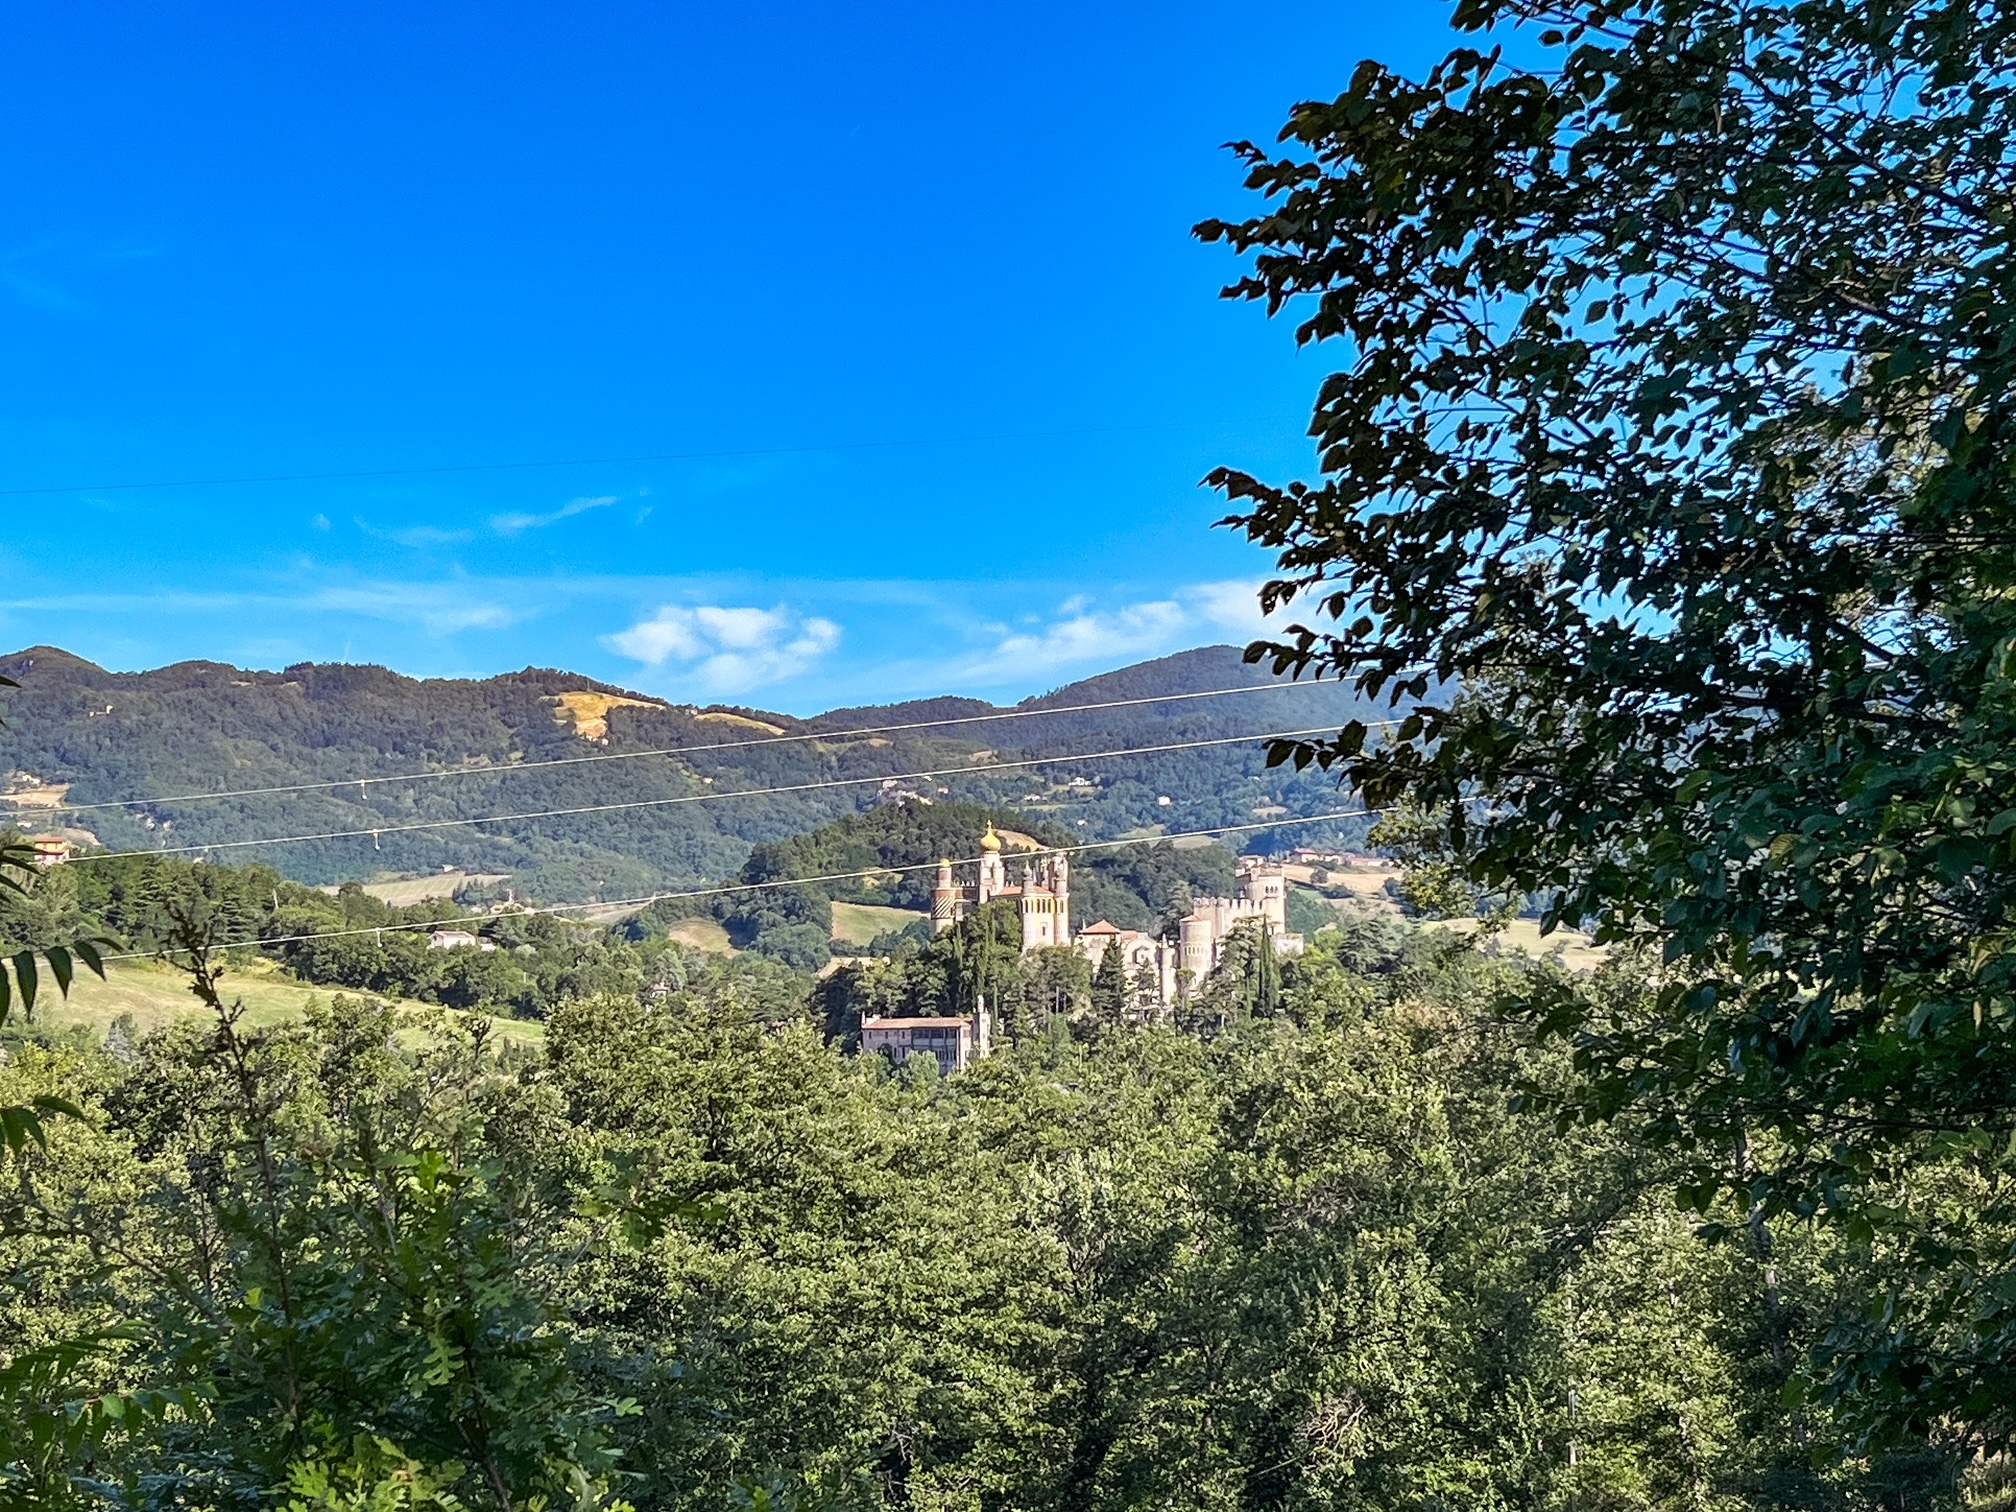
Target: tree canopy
[1666, 486]
[686, 1255]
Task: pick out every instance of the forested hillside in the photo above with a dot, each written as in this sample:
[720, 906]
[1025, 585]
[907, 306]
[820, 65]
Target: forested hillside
[537, 962]
[84, 736]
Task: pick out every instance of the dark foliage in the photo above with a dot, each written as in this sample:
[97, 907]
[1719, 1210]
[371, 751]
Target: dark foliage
[1677, 431]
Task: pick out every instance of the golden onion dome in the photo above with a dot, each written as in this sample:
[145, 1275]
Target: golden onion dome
[990, 841]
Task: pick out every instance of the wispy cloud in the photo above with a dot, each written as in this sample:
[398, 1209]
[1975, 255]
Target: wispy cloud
[729, 650]
[25, 275]
[36, 293]
[439, 608]
[1084, 635]
[511, 524]
[414, 535]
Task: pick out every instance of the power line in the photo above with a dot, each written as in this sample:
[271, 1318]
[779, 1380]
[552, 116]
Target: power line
[743, 887]
[376, 831]
[487, 467]
[721, 745]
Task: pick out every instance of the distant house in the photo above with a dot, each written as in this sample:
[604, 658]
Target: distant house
[457, 939]
[955, 1042]
[50, 850]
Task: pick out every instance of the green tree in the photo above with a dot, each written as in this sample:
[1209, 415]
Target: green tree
[693, 1256]
[1057, 985]
[1109, 986]
[316, 1273]
[21, 976]
[1667, 492]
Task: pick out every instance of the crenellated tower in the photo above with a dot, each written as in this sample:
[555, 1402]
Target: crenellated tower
[944, 900]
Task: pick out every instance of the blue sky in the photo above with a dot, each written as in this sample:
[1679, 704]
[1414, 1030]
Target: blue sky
[901, 298]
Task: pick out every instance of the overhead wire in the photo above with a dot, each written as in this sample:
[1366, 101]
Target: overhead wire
[726, 888]
[787, 737]
[374, 832]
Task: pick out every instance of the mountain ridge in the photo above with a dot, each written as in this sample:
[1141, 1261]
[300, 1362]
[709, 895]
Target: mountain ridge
[655, 820]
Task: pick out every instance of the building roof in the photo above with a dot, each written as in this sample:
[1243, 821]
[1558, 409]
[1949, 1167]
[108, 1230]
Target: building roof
[1102, 927]
[870, 1024]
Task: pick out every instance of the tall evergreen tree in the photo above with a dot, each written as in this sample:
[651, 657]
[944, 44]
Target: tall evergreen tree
[1109, 986]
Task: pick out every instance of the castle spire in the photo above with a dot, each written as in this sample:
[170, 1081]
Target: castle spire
[992, 877]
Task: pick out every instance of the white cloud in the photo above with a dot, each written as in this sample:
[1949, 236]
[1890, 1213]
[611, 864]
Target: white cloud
[1079, 636]
[1234, 606]
[729, 650]
[511, 524]
[1084, 636]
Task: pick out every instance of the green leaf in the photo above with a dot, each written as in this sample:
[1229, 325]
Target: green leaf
[59, 967]
[1959, 855]
[87, 951]
[26, 976]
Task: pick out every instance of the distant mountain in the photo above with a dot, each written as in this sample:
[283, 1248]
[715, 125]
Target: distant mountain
[79, 736]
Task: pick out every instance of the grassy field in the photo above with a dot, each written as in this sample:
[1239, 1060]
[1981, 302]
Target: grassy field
[156, 995]
[1368, 882]
[1578, 952]
[409, 890]
[859, 923]
[1368, 894]
[702, 934]
[589, 712]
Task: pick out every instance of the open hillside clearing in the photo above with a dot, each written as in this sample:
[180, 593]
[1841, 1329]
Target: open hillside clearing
[1365, 892]
[859, 923]
[702, 934]
[155, 995]
[401, 892]
[588, 712]
[1577, 951]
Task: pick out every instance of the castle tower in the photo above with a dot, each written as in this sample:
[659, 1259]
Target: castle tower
[993, 878]
[1196, 946]
[1267, 888]
[944, 900]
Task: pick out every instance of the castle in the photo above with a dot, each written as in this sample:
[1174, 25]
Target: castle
[1163, 969]
[1043, 899]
